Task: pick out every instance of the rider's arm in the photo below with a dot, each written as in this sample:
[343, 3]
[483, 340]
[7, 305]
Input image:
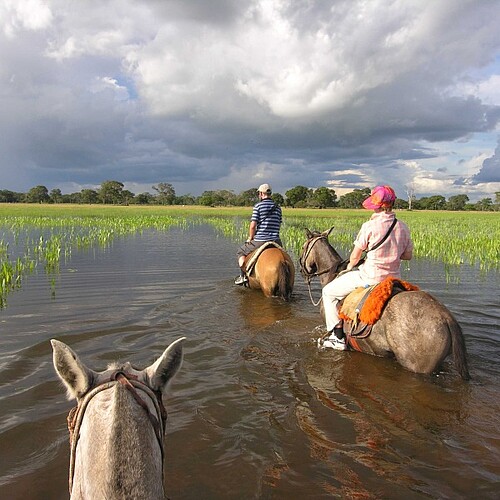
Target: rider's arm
[251, 231]
[354, 258]
[407, 254]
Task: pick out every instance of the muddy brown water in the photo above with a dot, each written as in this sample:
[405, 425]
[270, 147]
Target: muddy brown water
[256, 411]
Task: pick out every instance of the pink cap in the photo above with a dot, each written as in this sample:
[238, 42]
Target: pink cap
[382, 196]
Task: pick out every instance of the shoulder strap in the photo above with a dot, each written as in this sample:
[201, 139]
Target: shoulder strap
[385, 237]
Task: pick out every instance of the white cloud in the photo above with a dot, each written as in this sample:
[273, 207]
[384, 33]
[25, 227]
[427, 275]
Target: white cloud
[346, 93]
[17, 15]
[488, 90]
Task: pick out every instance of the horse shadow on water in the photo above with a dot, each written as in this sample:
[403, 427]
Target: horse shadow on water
[117, 428]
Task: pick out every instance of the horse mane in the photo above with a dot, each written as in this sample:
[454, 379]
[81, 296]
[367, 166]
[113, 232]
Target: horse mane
[131, 449]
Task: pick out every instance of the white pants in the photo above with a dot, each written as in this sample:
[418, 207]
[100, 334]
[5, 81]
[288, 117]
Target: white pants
[336, 290]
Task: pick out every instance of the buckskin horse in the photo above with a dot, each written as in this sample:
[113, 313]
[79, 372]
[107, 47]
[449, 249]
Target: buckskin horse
[414, 328]
[117, 428]
[270, 269]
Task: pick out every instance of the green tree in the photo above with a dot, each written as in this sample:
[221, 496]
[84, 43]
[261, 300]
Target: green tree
[111, 192]
[89, 196]
[38, 194]
[225, 197]
[297, 194]
[323, 197]
[436, 202]
[144, 199]
[457, 202]
[127, 197]
[56, 195]
[278, 199]
[166, 193]
[218, 198]
[185, 199]
[401, 204]
[207, 199]
[248, 198]
[484, 205]
[72, 198]
[7, 196]
[354, 199]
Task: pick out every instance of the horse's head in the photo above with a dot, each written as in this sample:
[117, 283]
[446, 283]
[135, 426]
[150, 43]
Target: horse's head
[122, 406]
[318, 258]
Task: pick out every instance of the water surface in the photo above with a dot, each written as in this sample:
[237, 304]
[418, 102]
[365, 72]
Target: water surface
[256, 411]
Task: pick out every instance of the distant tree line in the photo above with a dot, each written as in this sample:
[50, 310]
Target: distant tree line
[113, 193]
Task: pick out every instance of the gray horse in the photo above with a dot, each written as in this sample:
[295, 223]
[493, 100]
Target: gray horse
[117, 428]
[415, 329]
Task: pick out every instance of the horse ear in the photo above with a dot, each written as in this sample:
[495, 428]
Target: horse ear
[327, 232]
[75, 375]
[163, 370]
[309, 234]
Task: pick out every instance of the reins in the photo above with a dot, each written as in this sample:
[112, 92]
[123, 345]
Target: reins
[307, 275]
[76, 414]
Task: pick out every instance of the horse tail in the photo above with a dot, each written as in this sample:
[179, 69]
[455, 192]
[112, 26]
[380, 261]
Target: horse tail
[458, 349]
[284, 285]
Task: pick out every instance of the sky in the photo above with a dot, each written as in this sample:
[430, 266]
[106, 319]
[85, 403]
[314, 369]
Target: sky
[229, 94]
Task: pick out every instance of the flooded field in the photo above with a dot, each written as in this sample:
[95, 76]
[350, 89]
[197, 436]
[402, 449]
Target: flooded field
[256, 411]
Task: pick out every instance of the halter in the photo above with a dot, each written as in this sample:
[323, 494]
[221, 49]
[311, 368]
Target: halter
[309, 244]
[130, 382]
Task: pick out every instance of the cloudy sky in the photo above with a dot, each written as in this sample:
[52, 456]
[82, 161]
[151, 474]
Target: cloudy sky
[227, 94]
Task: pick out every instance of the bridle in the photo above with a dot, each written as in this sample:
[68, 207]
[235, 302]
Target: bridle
[130, 382]
[308, 276]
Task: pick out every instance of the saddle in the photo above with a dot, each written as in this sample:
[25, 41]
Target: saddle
[363, 307]
[253, 257]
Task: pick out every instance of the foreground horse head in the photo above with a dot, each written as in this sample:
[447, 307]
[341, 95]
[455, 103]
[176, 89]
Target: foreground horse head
[273, 271]
[117, 428]
[414, 328]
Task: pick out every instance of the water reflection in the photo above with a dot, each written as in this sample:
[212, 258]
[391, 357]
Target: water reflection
[258, 311]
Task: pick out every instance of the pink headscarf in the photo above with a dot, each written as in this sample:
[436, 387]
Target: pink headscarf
[381, 197]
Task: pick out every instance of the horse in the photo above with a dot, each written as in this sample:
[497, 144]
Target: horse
[117, 428]
[270, 269]
[414, 328]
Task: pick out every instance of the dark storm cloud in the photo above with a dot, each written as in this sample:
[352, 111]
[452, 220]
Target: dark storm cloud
[230, 93]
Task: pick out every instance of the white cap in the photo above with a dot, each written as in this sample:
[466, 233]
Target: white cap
[264, 188]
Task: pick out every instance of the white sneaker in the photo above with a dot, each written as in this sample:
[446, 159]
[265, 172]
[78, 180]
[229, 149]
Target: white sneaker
[332, 342]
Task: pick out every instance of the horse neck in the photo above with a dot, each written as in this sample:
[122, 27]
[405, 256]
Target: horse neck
[327, 258]
[118, 453]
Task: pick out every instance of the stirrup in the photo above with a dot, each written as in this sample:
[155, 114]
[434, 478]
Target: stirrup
[241, 280]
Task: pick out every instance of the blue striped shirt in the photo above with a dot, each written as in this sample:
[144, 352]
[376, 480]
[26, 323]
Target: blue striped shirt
[268, 220]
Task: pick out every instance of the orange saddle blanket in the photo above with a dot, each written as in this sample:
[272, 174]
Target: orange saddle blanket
[367, 304]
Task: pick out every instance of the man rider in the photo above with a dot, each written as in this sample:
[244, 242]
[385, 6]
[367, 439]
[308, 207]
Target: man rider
[265, 224]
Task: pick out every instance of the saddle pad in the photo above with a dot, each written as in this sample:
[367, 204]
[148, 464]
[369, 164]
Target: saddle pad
[351, 302]
[252, 258]
[377, 299]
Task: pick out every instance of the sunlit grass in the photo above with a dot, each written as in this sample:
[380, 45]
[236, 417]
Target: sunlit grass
[31, 235]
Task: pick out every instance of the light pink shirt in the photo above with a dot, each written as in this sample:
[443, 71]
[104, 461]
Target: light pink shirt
[384, 261]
